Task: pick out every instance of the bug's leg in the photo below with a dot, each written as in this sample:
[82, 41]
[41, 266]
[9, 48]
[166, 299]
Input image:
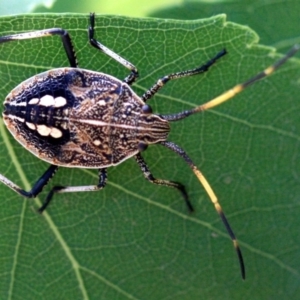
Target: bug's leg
[37, 188]
[233, 91]
[162, 81]
[134, 74]
[73, 189]
[139, 159]
[65, 37]
[212, 197]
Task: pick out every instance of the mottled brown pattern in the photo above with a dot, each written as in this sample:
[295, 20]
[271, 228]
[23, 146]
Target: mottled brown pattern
[102, 122]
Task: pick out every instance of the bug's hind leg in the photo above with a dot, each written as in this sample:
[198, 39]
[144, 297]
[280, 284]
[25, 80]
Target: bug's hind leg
[134, 74]
[65, 37]
[212, 197]
[139, 159]
[37, 188]
[73, 189]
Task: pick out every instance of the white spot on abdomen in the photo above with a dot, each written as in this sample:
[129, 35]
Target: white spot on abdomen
[102, 102]
[60, 101]
[96, 142]
[43, 130]
[56, 133]
[47, 100]
[34, 101]
[31, 126]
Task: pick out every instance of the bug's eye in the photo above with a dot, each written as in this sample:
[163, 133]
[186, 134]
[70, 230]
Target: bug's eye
[142, 146]
[147, 109]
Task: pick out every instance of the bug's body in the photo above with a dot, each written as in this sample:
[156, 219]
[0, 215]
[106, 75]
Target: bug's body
[78, 118]
[73, 117]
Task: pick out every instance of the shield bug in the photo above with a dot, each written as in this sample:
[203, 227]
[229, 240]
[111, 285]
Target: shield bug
[72, 117]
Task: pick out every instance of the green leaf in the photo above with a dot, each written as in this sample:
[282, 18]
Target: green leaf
[134, 240]
[276, 21]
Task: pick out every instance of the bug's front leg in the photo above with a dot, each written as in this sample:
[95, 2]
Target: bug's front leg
[164, 80]
[74, 189]
[134, 74]
[37, 188]
[65, 38]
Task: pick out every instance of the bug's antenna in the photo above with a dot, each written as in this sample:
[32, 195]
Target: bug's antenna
[212, 197]
[240, 87]
[235, 90]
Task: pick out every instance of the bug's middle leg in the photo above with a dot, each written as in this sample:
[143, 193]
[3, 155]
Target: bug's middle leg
[73, 189]
[139, 159]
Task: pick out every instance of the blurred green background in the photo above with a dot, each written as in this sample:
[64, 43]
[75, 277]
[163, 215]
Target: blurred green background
[134, 8]
[277, 25]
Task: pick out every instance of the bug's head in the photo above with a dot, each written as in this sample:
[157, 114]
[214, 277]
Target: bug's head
[151, 128]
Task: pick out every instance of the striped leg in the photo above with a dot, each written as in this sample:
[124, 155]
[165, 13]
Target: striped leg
[212, 197]
[75, 189]
[233, 91]
[65, 37]
[162, 81]
[139, 159]
[134, 74]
